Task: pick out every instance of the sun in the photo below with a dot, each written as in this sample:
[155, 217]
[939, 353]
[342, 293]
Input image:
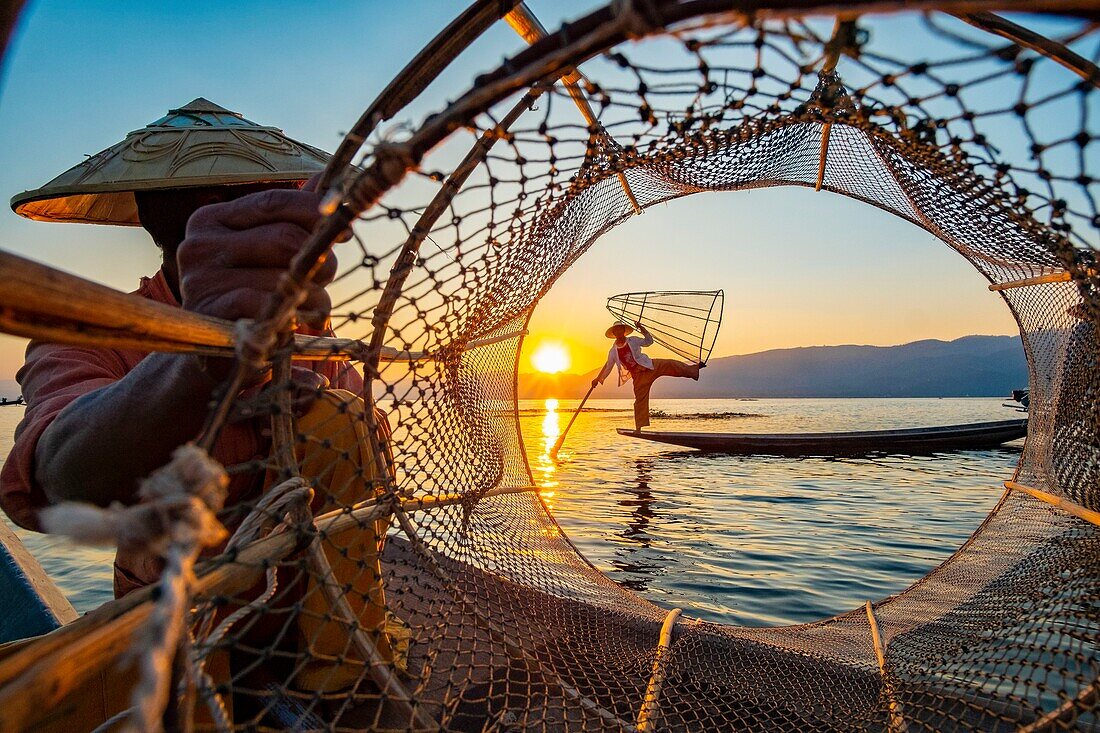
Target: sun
[550, 358]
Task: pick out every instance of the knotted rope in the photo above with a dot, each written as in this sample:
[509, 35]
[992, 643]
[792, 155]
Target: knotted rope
[176, 519]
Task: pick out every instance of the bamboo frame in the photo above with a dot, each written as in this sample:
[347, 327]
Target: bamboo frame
[40, 302]
[552, 56]
[39, 676]
[826, 130]
[1064, 504]
[650, 710]
[998, 26]
[413, 79]
[596, 31]
[1050, 277]
[527, 25]
[897, 723]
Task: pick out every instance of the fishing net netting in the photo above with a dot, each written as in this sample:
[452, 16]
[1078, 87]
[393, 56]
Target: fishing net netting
[684, 322]
[427, 529]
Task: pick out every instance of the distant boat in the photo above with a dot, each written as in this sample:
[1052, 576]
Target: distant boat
[910, 440]
[4, 401]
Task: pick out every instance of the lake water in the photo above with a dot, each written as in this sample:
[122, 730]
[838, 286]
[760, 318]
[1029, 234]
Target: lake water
[744, 540]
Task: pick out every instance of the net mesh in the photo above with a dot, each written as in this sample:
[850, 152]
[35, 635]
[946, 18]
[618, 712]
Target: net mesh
[686, 323]
[429, 530]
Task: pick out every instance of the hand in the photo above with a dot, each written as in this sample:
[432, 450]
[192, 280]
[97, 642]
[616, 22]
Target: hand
[595, 383]
[235, 252]
[638, 325]
[259, 401]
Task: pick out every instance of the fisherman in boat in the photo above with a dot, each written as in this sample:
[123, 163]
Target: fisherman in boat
[633, 364]
[227, 202]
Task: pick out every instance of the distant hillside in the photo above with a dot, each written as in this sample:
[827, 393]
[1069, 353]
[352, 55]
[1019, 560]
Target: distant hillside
[972, 366]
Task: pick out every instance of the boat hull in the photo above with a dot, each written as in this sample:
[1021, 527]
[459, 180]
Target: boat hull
[973, 436]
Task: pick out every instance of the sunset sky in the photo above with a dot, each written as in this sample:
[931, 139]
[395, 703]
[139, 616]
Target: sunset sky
[798, 268]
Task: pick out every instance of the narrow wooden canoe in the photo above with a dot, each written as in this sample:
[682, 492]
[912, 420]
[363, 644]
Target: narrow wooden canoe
[911, 440]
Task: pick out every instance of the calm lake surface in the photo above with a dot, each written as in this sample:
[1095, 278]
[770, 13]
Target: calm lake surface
[743, 540]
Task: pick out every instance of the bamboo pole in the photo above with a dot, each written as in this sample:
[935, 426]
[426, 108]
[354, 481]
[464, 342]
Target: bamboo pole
[1064, 504]
[527, 25]
[649, 713]
[561, 438]
[998, 26]
[1050, 277]
[72, 310]
[897, 724]
[51, 295]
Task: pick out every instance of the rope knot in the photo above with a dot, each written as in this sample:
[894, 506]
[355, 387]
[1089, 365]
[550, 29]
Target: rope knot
[254, 341]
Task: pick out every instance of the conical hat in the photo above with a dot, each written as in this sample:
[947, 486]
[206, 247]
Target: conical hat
[200, 144]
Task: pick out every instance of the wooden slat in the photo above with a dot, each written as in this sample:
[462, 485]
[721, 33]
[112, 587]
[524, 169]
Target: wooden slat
[897, 723]
[1064, 504]
[649, 713]
[1050, 277]
[1086, 699]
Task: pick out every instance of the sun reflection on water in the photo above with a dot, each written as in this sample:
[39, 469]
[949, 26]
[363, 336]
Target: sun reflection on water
[545, 467]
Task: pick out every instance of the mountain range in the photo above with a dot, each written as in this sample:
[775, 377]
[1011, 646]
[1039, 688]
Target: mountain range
[972, 366]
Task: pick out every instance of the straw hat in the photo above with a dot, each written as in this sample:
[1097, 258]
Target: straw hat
[199, 144]
[619, 329]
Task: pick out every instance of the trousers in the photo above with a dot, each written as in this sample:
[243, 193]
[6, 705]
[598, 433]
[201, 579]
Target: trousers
[643, 382]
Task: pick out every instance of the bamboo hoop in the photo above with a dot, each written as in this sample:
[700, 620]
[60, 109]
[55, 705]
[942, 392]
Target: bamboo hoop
[437, 55]
[650, 710]
[998, 26]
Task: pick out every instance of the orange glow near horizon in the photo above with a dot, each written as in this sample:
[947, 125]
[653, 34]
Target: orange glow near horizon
[550, 357]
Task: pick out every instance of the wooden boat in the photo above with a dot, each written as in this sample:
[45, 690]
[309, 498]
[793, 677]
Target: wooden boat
[33, 605]
[911, 440]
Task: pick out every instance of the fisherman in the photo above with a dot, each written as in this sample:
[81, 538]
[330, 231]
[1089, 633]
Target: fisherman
[626, 355]
[227, 202]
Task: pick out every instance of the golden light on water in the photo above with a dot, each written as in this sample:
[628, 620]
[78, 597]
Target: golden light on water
[545, 466]
[550, 357]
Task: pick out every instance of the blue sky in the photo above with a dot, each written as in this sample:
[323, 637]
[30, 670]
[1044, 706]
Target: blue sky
[798, 268]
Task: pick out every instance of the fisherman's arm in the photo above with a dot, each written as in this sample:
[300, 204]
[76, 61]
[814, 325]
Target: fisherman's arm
[647, 337]
[605, 371]
[98, 446]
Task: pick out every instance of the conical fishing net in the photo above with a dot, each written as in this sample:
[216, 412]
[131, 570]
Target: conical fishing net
[426, 529]
[684, 322]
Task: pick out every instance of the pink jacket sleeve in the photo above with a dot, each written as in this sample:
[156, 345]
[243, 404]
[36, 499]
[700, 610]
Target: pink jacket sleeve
[51, 378]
